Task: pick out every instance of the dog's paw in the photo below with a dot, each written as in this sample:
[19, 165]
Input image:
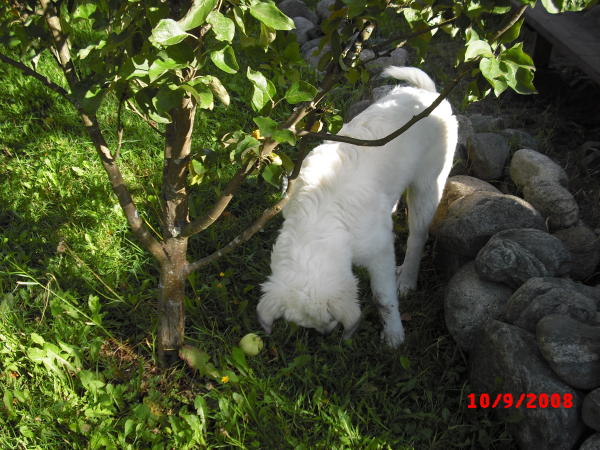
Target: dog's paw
[392, 338]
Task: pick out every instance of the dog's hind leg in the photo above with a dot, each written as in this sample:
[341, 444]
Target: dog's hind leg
[422, 202]
[382, 271]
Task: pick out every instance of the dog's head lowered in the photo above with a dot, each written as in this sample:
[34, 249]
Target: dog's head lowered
[321, 309]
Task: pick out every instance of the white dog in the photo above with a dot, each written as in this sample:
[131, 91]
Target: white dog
[340, 214]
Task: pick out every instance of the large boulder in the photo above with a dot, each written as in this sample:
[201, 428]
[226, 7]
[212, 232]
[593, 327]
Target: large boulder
[470, 303]
[297, 8]
[527, 164]
[473, 219]
[398, 57]
[590, 411]
[324, 8]
[572, 349]
[484, 123]
[305, 29]
[553, 201]
[506, 360]
[540, 297]
[584, 246]
[488, 153]
[513, 256]
[457, 187]
[519, 138]
[591, 443]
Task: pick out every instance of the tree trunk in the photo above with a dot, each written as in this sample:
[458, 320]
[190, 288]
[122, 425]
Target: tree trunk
[173, 271]
[171, 325]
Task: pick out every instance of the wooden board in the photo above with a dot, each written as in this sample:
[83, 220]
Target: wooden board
[573, 33]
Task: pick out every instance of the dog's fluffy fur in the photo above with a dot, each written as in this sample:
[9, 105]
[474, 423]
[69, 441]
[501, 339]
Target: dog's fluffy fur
[340, 214]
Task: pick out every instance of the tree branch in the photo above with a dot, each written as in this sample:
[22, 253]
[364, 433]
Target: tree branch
[38, 76]
[61, 47]
[399, 131]
[258, 224]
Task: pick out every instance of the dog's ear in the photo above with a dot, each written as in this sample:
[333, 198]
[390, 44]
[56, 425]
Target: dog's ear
[268, 310]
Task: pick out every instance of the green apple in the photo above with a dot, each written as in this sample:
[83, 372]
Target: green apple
[251, 344]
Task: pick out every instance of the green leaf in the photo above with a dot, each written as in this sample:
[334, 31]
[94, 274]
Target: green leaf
[238, 16]
[490, 68]
[222, 26]
[300, 91]
[225, 60]
[269, 14]
[478, 48]
[513, 32]
[160, 66]
[202, 94]
[167, 98]
[284, 136]
[266, 125]
[88, 96]
[524, 83]
[272, 174]
[135, 67]
[37, 339]
[264, 90]
[518, 56]
[550, 6]
[84, 10]
[197, 14]
[167, 32]
[287, 163]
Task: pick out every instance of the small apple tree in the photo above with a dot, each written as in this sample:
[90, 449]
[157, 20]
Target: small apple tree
[161, 60]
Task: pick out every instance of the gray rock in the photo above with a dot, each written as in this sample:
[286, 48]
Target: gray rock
[506, 360]
[572, 349]
[591, 443]
[473, 219]
[397, 58]
[488, 153]
[519, 138]
[584, 246]
[366, 55]
[465, 129]
[553, 201]
[590, 411]
[457, 187]
[304, 29]
[355, 109]
[470, 303]
[323, 8]
[513, 256]
[297, 8]
[310, 46]
[484, 123]
[540, 297]
[314, 55]
[527, 164]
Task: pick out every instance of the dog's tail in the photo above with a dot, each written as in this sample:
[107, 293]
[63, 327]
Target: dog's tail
[412, 75]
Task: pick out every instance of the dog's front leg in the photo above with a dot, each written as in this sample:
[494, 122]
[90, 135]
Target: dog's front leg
[382, 271]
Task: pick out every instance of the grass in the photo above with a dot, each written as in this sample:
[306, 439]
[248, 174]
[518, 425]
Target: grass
[77, 317]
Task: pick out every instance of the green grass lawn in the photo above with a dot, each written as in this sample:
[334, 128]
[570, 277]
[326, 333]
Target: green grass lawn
[77, 316]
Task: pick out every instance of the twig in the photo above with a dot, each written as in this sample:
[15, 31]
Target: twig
[38, 76]
[381, 50]
[144, 118]
[120, 128]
